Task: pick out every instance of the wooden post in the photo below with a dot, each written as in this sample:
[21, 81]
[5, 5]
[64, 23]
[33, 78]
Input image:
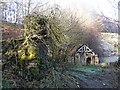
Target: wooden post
[79, 59]
[84, 58]
[74, 59]
[91, 60]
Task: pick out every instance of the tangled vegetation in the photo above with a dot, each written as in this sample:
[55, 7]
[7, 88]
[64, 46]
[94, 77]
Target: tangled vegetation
[38, 58]
[32, 58]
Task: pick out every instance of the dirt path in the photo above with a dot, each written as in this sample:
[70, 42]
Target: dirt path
[85, 77]
[106, 79]
[95, 77]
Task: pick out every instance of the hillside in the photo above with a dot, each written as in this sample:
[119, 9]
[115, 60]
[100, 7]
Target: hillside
[109, 25]
[109, 42]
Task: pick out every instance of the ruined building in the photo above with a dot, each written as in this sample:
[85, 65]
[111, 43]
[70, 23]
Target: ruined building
[83, 55]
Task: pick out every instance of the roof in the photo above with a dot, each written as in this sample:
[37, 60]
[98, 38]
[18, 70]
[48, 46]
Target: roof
[74, 49]
[77, 47]
[11, 33]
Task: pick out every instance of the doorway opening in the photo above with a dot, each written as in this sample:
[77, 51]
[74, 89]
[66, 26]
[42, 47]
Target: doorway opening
[88, 61]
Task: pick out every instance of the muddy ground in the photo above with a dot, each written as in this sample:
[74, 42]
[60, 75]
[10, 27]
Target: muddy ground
[95, 76]
[86, 77]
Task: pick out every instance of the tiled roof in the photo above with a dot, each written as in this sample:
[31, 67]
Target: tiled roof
[11, 33]
[74, 49]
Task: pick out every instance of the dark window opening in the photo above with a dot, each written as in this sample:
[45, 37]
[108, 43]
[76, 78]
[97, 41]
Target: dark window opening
[88, 61]
[88, 49]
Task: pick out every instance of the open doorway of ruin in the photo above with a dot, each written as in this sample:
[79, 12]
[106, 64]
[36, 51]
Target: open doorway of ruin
[88, 60]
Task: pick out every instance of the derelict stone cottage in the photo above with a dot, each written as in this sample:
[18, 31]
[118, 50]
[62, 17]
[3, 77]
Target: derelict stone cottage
[83, 55]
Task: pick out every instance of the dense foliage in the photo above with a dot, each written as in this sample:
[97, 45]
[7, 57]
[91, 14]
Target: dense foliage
[34, 57]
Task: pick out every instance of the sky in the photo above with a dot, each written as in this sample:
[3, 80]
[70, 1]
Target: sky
[82, 7]
[107, 7]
